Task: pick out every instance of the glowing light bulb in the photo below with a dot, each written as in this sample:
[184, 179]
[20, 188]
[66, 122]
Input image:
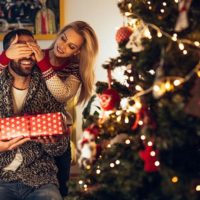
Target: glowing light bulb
[80, 182]
[138, 104]
[152, 72]
[198, 188]
[164, 4]
[156, 88]
[129, 5]
[159, 34]
[150, 143]
[140, 123]
[174, 179]
[138, 88]
[168, 86]
[98, 171]
[196, 43]
[152, 153]
[126, 120]
[147, 33]
[117, 162]
[185, 52]
[88, 167]
[127, 141]
[181, 46]
[157, 163]
[177, 82]
[174, 37]
[143, 137]
[131, 78]
[162, 10]
[112, 165]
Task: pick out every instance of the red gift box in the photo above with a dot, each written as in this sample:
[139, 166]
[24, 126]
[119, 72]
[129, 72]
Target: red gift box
[32, 126]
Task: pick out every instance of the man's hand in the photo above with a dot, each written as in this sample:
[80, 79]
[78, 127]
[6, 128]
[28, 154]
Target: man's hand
[49, 139]
[18, 50]
[12, 144]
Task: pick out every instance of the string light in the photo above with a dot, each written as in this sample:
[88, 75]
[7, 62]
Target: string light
[196, 43]
[138, 88]
[143, 137]
[119, 118]
[127, 141]
[150, 143]
[162, 10]
[159, 34]
[126, 120]
[152, 153]
[131, 78]
[185, 52]
[198, 188]
[88, 167]
[173, 37]
[112, 165]
[85, 187]
[117, 162]
[98, 171]
[140, 123]
[164, 4]
[181, 46]
[174, 179]
[157, 163]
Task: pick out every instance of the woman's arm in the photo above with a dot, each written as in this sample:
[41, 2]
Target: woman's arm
[62, 90]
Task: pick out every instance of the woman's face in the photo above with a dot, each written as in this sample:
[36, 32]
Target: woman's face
[68, 44]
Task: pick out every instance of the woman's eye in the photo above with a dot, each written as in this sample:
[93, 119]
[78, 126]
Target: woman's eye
[63, 38]
[72, 47]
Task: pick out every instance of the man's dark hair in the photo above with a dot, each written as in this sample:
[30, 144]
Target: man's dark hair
[10, 35]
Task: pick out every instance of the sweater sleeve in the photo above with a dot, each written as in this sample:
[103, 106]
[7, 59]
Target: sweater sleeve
[58, 148]
[63, 90]
[4, 61]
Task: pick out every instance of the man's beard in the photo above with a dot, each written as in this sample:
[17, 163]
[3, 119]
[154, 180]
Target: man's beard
[16, 67]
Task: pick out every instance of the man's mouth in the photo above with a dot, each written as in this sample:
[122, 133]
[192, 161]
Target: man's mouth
[26, 62]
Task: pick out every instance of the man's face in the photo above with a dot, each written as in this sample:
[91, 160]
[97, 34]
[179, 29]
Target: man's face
[23, 66]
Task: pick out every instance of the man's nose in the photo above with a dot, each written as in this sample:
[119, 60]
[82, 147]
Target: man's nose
[30, 55]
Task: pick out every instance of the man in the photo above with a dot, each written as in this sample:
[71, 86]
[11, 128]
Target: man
[27, 167]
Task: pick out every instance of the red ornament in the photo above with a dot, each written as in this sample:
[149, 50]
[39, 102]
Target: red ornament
[123, 34]
[149, 160]
[109, 99]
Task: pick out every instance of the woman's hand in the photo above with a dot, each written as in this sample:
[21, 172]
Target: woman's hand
[18, 50]
[12, 144]
[39, 54]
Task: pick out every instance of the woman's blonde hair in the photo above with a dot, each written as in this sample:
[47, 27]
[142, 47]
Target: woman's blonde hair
[87, 56]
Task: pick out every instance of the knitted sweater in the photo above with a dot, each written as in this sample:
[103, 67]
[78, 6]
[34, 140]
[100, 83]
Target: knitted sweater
[38, 166]
[62, 81]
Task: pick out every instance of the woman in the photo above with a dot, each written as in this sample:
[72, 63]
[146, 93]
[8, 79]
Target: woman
[67, 66]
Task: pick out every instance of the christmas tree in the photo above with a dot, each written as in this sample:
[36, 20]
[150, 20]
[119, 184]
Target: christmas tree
[141, 138]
